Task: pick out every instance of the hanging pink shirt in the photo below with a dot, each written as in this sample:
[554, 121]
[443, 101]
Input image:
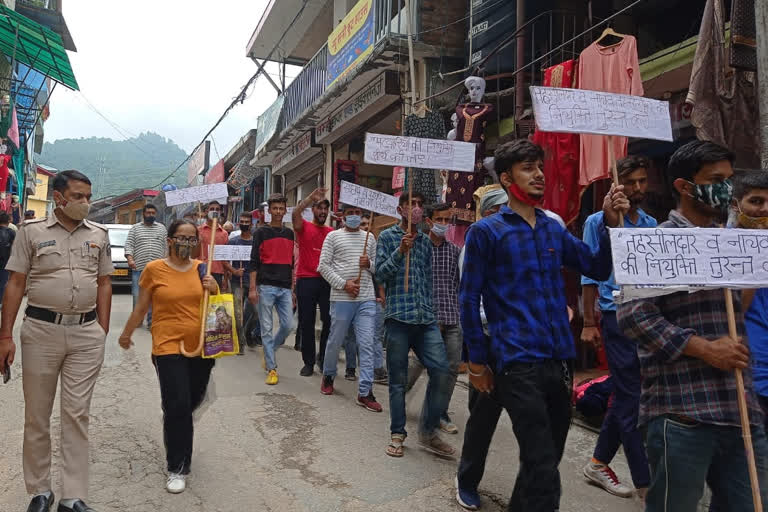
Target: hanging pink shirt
[612, 69]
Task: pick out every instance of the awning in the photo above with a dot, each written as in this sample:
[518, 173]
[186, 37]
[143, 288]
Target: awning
[37, 46]
[243, 173]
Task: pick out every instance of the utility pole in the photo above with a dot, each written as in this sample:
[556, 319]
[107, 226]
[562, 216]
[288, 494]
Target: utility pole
[761, 23]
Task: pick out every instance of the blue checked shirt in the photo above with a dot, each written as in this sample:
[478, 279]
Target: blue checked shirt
[516, 270]
[414, 307]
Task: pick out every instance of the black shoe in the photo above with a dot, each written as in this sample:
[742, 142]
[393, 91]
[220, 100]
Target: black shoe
[41, 504]
[380, 376]
[78, 506]
[297, 347]
[320, 364]
[350, 374]
[307, 371]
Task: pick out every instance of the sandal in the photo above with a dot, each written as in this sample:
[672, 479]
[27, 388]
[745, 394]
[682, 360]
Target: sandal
[437, 446]
[395, 448]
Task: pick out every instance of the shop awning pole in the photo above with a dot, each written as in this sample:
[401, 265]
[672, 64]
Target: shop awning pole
[761, 20]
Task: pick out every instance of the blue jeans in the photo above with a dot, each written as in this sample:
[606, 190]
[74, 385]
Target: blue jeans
[684, 456]
[281, 299]
[360, 316]
[620, 423]
[350, 349]
[427, 344]
[135, 275]
[350, 344]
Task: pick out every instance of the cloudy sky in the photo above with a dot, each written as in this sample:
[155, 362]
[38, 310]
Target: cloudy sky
[168, 66]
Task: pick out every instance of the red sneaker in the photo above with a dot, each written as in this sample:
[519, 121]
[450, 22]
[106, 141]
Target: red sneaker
[326, 387]
[369, 402]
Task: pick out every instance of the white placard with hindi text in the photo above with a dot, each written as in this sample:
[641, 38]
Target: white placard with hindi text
[367, 199]
[600, 113]
[395, 150]
[232, 252]
[712, 257]
[307, 215]
[203, 194]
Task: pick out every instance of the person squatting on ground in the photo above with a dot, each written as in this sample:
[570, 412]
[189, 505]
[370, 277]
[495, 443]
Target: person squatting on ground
[174, 287]
[620, 423]
[347, 262]
[513, 262]
[410, 324]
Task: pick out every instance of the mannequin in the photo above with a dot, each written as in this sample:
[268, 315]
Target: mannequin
[471, 120]
[454, 123]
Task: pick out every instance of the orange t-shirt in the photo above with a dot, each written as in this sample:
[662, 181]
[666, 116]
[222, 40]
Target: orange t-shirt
[176, 298]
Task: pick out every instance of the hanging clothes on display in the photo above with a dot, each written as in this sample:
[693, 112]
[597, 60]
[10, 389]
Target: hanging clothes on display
[4, 161]
[561, 154]
[431, 126]
[612, 68]
[724, 99]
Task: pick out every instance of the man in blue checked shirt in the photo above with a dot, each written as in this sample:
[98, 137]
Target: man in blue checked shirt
[410, 323]
[620, 423]
[513, 262]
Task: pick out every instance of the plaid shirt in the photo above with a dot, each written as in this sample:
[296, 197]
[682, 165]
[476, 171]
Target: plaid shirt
[674, 383]
[516, 270]
[414, 307]
[445, 279]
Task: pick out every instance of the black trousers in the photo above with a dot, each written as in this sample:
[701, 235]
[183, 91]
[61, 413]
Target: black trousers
[537, 398]
[311, 292]
[183, 383]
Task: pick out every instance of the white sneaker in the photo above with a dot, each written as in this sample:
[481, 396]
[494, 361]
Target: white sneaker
[603, 476]
[176, 483]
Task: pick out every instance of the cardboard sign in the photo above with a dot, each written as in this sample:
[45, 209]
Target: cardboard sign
[232, 252]
[715, 258]
[367, 199]
[398, 177]
[600, 113]
[395, 150]
[203, 194]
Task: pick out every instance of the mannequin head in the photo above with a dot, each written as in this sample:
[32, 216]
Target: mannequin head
[454, 120]
[476, 87]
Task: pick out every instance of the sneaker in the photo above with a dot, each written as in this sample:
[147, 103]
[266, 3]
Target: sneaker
[176, 483]
[603, 476]
[326, 387]
[307, 371]
[272, 377]
[448, 427]
[369, 402]
[470, 500]
[350, 374]
[380, 376]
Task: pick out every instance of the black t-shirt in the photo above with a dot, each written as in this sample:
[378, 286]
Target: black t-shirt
[7, 236]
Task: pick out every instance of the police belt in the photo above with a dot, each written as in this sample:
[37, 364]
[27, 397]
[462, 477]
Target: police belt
[46, 315]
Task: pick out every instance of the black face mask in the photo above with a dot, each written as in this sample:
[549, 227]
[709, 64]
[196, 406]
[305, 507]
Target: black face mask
[245, 228]
[149, 219]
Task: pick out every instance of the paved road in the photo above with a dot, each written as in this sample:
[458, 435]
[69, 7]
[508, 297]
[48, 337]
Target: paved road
[283, 448]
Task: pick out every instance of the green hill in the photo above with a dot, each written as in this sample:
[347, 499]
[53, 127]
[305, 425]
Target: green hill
[117, 166]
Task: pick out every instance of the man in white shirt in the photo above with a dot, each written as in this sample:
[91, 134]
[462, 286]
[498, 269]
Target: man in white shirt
[347, 263]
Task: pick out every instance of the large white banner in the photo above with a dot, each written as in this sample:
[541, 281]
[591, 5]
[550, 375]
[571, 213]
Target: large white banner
[367, 199]
[307, 215]
[395, 150]
[601, 113]
[721, 258]
[203, 194]
[231, 252]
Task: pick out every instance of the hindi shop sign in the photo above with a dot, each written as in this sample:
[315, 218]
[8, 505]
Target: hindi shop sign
[203, 194]
[351, 41]
[712, 257]
[367, 199]
[600, 113]
[299, 147]
[395, 150]
[199, 161]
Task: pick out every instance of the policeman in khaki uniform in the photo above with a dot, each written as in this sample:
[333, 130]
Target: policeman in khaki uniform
[66, 262]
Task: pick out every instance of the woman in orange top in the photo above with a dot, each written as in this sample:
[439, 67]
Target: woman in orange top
[174, 288]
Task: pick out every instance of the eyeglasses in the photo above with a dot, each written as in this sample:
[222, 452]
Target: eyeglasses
[186, 239]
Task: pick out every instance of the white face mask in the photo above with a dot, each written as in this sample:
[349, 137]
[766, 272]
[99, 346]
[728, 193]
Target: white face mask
[440, 230]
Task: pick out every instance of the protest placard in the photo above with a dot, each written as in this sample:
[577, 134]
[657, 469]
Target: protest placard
[601, 113]
[232, 252]
[416, 152]
[307, 215]
[712, 257]
[203, 194]
[367, 199]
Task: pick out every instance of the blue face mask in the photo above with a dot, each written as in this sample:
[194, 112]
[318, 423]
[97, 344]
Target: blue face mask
[353, 221]
[440, 230]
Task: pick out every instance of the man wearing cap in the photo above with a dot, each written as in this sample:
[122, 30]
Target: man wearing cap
[67, 264]
[311, 289]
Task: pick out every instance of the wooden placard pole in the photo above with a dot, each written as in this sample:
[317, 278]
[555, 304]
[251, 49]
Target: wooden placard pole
[410, 206]
[614, 172]
[746, 432]
[206, 295]
[411, 67]
[365, 246]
